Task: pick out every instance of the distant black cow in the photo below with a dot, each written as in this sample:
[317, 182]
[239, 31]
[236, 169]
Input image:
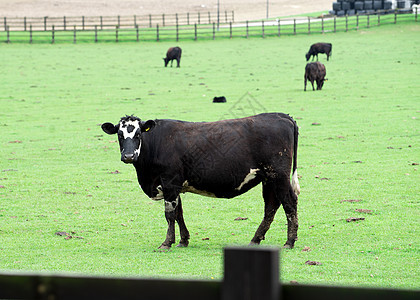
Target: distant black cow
[319, 48]
[172, 54]
[315, 71]
[221, 99]
[220, 159]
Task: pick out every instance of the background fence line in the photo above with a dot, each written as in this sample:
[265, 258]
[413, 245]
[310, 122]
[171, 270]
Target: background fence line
[195, 31]
[103, 22]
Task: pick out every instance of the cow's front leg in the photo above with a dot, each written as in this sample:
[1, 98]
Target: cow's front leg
[171, 203]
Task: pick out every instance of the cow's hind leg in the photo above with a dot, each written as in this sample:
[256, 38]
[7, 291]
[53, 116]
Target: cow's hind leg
[289, 202]
[183, 231]
[271, 205]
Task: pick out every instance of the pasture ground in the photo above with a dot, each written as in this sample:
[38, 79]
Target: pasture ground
[359, 140]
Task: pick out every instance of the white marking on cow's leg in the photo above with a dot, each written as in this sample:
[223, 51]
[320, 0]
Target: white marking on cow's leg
[171, 205]
[159, 196]
[251, 175]
[295, 183]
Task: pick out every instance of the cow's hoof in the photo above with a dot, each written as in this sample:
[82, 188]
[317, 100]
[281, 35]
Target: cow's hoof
[253, 244]
[164, 248]
[183, 244]
[287, 246]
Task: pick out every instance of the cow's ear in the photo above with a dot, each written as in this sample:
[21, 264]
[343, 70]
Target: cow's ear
[148, 125]
[109, 128]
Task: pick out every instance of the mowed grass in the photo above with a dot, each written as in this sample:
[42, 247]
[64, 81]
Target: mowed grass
[359, 140]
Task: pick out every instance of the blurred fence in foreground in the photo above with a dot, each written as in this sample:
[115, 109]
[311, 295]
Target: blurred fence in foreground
[250, 273]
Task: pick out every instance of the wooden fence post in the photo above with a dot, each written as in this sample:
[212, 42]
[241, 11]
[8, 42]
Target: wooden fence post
[135, 21]
[195, 31]
[157, 32]
[116, 34]
[395, 17]
[233, 16]
[230, 29]
[52, 35]
[163, 20]
[83, 22]
[322, 24]
[64, 22]
[30, 34]
[24, 23]
[379, 19]
[214, 30]
[45, 23]
[368, 21]
[118, 20]
[247, 29]
[309, 25]
[8, 34]
[102, 23]
[5, 23]
[74, 34]
[278, 28]
[294, 26]
[209, 18]
[417, 11]
[357, 21]
[347, 23]
[226, 19]
[150, 21]
[262, 28]
[137, 33]
[251, 273]
[188, 18]
[335, 23]
[96, 33]
[198, 18]
[177, 34]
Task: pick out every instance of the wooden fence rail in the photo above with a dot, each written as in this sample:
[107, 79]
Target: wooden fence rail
[103, 22]
[250, 273]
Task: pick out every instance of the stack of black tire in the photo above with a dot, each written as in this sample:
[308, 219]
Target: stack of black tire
[352, 7]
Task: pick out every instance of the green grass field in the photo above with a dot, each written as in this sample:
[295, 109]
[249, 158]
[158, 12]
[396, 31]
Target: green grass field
[359, 140]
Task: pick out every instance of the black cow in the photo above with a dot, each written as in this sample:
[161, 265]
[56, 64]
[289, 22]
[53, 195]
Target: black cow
[315, 71]
[319, 48]
[221, 159]
[172, 54]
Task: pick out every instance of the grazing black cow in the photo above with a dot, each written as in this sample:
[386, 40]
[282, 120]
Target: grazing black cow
[172, 54]
[315, 71]
[319, 48]
[221, 159]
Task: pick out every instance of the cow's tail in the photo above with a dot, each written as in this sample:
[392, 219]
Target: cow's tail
[295, 180]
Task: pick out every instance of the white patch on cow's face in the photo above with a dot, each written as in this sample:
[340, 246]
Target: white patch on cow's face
[129, 129]
[251, 175]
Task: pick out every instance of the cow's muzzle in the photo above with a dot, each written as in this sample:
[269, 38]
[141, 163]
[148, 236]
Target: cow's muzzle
[127, 158]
